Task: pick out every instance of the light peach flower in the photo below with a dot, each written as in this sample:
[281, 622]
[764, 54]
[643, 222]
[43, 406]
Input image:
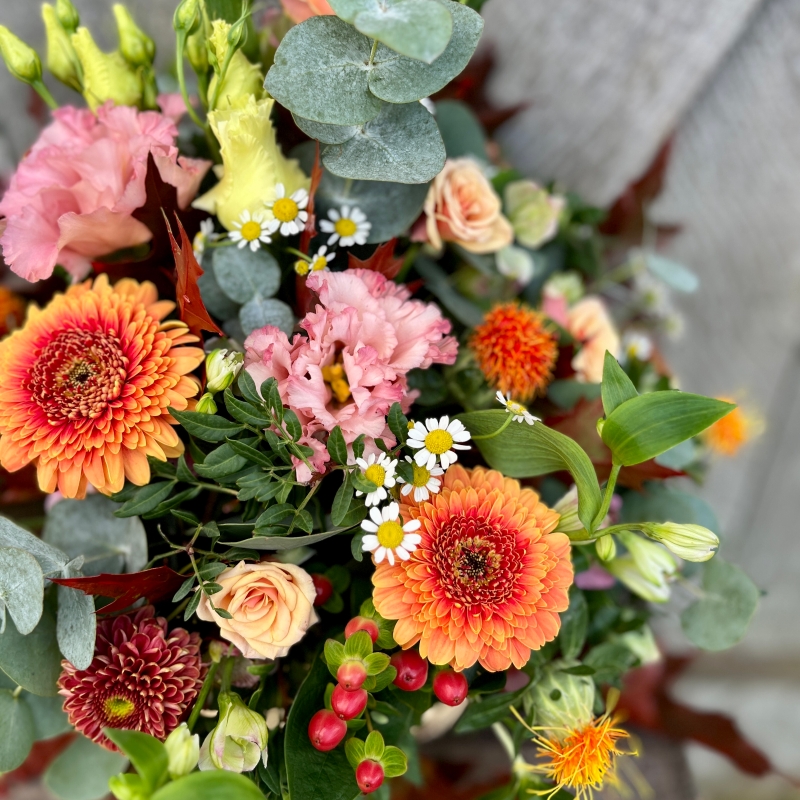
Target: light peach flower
[271, 607]
[589, 322]
[462, 207]
[301, 10]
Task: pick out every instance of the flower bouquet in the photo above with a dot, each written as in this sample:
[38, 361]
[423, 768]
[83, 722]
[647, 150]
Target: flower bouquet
[341, 427]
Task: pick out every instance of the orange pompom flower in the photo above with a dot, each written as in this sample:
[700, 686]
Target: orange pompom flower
[87, 384]
[12, 310]
[515, 350]
[488, 579]
[728, 435]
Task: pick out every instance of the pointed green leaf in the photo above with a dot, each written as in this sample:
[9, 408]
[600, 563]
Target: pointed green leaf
[376, 663]
[354, 750]
[336, 446]
[147, 754]
[213, 785]
[244, 412]
[398, 423]
[617, 387]
[341, 502]
[374, 746]
[359, 645]
[334, 655]
[248, 388]
[208, 427]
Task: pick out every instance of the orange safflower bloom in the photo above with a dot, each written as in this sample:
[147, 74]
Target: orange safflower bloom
[515, 350]
[87, 384]
[488, 579]
[12, 310]
[728, 435]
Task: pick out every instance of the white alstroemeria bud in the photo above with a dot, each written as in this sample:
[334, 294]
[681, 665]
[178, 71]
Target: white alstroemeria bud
[222, 367]
[689, 542]
[626, 570]
[183, 751]
[567, 507]
[653, 561]
[206, 404]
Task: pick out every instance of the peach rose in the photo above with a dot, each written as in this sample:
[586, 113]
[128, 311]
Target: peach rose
[462, 207]
[588, 321]
[271, 607]
[301, 10]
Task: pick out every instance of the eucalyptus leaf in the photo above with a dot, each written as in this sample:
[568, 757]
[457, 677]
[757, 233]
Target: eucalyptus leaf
[50, 559]
[32, 661]
[16, 731]
[82, 771]
[327, 134]
[215, 300]
[242, 273]
[461, 130]
[21, 587]
[675, 275]
[49, 718]
[260, 311]
[77, 624]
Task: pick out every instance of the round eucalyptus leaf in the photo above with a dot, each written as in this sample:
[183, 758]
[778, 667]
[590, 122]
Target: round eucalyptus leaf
[261, 311]
[16, 731]
[320, 73]
[242, 273]
[48, 714]
[82, 771]
[216, 301]
[76, 626]
[402, 144]
[50, 558]
[461, 130]
[32, 661]
[327, 134]
[21, 587]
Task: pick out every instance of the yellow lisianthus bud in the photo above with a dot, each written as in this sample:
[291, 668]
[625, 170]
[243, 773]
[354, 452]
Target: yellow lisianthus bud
[239, 76]
[67, 15]
[239, 741]
[252, 162]
[197, 52]
[222, 366]
[690, 542]
[22, 60]
[183, 751]
[106, 76]
[61, 58]
[186, 17]
[137, 48]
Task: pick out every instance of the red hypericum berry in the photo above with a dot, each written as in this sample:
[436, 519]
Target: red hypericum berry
[351, 674]
[369, 776]
[362, 624]
[324, 589]
[450, 687]
[412, 670]
[326, 730]
[348, 705]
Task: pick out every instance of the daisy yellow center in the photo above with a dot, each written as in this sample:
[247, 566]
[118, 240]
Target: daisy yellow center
[390, 534]
[251, 231]
[334, 375]
[421, 476]
[438, 442]
[285, 209]
[118, 708]
[345, 227]
[375, 473]
[516, 408]
[319, 264]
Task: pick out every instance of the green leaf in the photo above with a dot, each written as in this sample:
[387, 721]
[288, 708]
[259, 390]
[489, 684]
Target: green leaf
[221, 462]
[208, 427]
[242, 273]
[32, 661]
[339, 576]
[398, 423]
[720, 619]
[214, 785]
[334, 655]
[215, 300]
[617, 387]
[645, 426]
[401, 144]
[312, 774]
[327, 134]
[49, 719]
[663, 503]
[355, 514]
[146, 499]
[50, 559]
[172, 502]
[147, 754]
[90, 528]
[610, 661]
[675, 275]
[292, 424]
[186, 587]
[524, 451]
[273, 515]
[376, 663]
[489, 710]
[382, 680]
[362, 483]
[574, 625]
[304, 521]
[192, 607]
[248, 388]
[82, 771]
[260, 311]
[374, 746]
[76, 625]
[336, 446]
[359, 645]
[21, 589]
[245, 412]
[251, 454]
[355, 547]
[354, 750]
[394, 762]
[16, 731]
[272, 397]
[319, 73]
[461, 130]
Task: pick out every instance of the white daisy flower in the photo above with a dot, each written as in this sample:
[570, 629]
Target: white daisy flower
[424, 483]
[381, 472]
[252, 230]
[438, 439]
[322, 258]
[521, 414]
[202, 237]
[348, 228]
[289, 212]
[387, 537]
[638, 345]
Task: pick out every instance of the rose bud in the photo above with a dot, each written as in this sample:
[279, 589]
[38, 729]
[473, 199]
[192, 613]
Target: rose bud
[324, 589]
[348, 705]
[450, 687]
[351, 674]
[326, 730]
[369, 776]
[362, 624]
[412, 670]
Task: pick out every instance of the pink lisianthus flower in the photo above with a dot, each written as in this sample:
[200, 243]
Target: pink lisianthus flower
[361, 340]
[72, 196]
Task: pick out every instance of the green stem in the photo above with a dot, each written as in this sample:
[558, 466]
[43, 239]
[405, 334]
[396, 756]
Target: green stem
[44, 93]
[509, 419]
[372, 53]
[178, 609]
[227, 672]
[504, 737]
[17, 692]
[180, 44]
[609, 493]
[201, 698]
[214, 488]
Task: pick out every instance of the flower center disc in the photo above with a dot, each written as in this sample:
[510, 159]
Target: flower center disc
[118, 708]
[516, 408]
[438, 442]
[251, 231]
[319, 264]
[390, 534]
[421, 475]
[285, 209]
[345, 227]
[375, 473]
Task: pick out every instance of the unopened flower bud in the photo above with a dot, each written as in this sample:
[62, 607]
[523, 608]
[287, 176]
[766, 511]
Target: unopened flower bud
[206, 404]
[67, 15]
[128, 787]
[567, 507]
[562, 700]
[61, 59]
[197, 52]
[642, 644]
[606, 547]
[348, 705]
[183, 751]
[326, 730]
[450, 687]
[187, 16]
[369, 776]
[652, 560]
[21, 59]
[412, 670]
[690, 542]
[302, 267]
[362, 624]
[239, 741]
[137, 48]
[222, 367]
[351, 675]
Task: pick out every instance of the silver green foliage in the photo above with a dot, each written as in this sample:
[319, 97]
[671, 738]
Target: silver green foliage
[76, 626]
[83, 770]
[21, 589]
[242, 273]
[16, 731]
[261, 311]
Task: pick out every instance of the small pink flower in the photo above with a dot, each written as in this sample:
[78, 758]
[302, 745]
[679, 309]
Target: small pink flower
[590, 323]
[301, 10]
[72, 196]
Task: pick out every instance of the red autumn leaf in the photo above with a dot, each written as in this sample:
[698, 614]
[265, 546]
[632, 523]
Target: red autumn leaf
[190, 303]
[310, 228]
[153, 584]
[383, 260]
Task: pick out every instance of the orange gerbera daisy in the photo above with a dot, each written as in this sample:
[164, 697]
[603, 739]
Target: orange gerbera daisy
[487, 580]
[515, 350]
[87, 384]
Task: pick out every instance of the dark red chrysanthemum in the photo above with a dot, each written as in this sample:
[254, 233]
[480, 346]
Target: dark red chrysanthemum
[142, 678]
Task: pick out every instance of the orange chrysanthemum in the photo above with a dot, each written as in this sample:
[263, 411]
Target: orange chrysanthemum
[12, 310]
[87, 384]
[515, 350]
[488, 579]
[729, 434]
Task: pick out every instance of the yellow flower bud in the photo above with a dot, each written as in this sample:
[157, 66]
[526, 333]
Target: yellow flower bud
[61, 58]
[106, 76]
[301, 267]
[22, 60]
[206, 404]
[690, 542]
[183, 751]
[137, 48]
[239, 741]
[67, 15]
[240, 78]
[186, 16]
[197, 52]
[222, 366]
[606, 547]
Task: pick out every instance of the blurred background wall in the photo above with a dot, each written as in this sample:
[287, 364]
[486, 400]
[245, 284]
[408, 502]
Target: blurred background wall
[607, 82]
